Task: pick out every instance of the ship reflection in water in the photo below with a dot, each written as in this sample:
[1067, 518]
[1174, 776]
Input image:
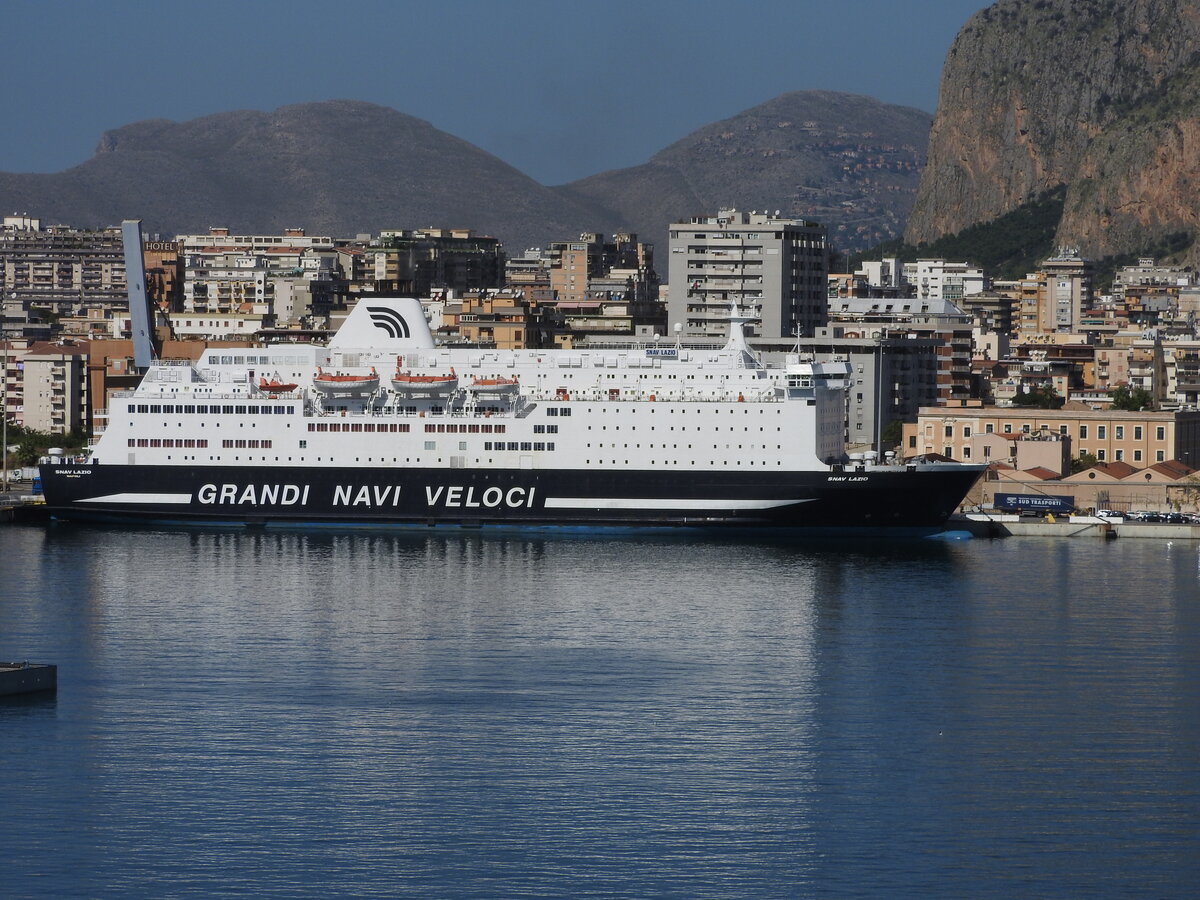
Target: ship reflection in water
[456, 714]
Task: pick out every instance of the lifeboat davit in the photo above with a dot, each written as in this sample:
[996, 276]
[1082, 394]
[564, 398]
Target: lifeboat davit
[424, 385]
[346, 385]
[495, 387]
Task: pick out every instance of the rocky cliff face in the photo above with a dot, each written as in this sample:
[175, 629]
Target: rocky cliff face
[1099, 95]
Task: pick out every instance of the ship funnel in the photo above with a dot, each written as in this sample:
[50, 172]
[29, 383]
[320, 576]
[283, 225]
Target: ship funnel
[385, 323]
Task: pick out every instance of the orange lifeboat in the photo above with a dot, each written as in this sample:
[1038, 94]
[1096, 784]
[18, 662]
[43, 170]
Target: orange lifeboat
[495, 387]
[346, 385]
[424, 385]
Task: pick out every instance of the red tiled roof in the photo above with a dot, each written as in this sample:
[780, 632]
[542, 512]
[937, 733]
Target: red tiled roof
[1172, 468]
[1042, 472]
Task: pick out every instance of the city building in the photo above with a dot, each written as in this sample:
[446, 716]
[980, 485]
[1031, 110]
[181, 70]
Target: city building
[892, 377]
[287, 279]
[773, 268]
[1054, 298]
[499, 318]
[414, 263]
[939, 320]
[58, 269]
[54, 387]
[937, 279]
[1138, 438]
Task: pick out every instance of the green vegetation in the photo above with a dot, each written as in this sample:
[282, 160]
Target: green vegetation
[1086, 461]
[1044, 397]
[1017, 243]
[30, 445]
[1171, 245]
[1006, 247]
[893, 434]
[1131, 400]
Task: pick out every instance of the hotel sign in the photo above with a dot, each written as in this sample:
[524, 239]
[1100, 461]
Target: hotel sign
[160, 246]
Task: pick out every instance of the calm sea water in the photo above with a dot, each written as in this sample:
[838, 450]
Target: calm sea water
[447, 715]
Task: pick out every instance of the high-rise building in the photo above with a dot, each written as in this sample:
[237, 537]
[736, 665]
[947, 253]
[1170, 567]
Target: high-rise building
[773, 268]
[60, 269]
[1053, 298]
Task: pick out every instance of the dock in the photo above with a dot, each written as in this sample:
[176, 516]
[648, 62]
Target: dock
[27, 678]
[998, 525]
[17, 510]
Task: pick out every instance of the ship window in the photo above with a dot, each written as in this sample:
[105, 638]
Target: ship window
[189, 409]
[227, 410]
[431, 445]
[512, 445]
[155, 408]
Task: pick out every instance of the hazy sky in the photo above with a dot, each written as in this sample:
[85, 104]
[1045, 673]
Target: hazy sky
[558, 89]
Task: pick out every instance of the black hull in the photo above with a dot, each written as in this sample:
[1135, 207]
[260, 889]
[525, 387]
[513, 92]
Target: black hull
[263, 496]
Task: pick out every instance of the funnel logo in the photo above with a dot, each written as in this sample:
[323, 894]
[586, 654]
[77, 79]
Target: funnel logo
[389, 320]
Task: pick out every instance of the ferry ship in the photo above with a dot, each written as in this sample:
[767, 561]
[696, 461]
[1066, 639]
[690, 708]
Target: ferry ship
[650, 435]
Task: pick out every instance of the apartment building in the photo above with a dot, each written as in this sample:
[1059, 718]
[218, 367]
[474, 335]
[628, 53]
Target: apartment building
[54, 387]
[939, 320]
[937, 279]
[892, 377]
[1054, 298]
[499, 318]
[286, 278]
[417, 262]
[58, 268]
[773, 268]
[588, 266]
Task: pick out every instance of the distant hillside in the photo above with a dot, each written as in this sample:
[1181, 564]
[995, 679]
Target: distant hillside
[849, 162]
[1099, 96]
[345, 167]
[338, 167]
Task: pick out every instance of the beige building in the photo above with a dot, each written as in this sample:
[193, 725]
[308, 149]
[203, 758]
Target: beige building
[773, 268]
[1120, 487]
[55, 387]
[1138, 438]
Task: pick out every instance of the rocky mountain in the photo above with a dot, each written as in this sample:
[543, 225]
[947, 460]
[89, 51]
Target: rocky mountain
[346, 167]
[847, 161]
[1097, 95]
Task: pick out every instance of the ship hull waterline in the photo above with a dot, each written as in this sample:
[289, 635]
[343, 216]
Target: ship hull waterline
[878, 500]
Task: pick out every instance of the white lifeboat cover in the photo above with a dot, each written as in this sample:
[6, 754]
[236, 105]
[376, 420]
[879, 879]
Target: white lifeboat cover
[385, 323]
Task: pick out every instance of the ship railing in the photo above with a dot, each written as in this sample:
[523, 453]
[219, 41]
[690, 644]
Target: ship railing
[190, 397]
